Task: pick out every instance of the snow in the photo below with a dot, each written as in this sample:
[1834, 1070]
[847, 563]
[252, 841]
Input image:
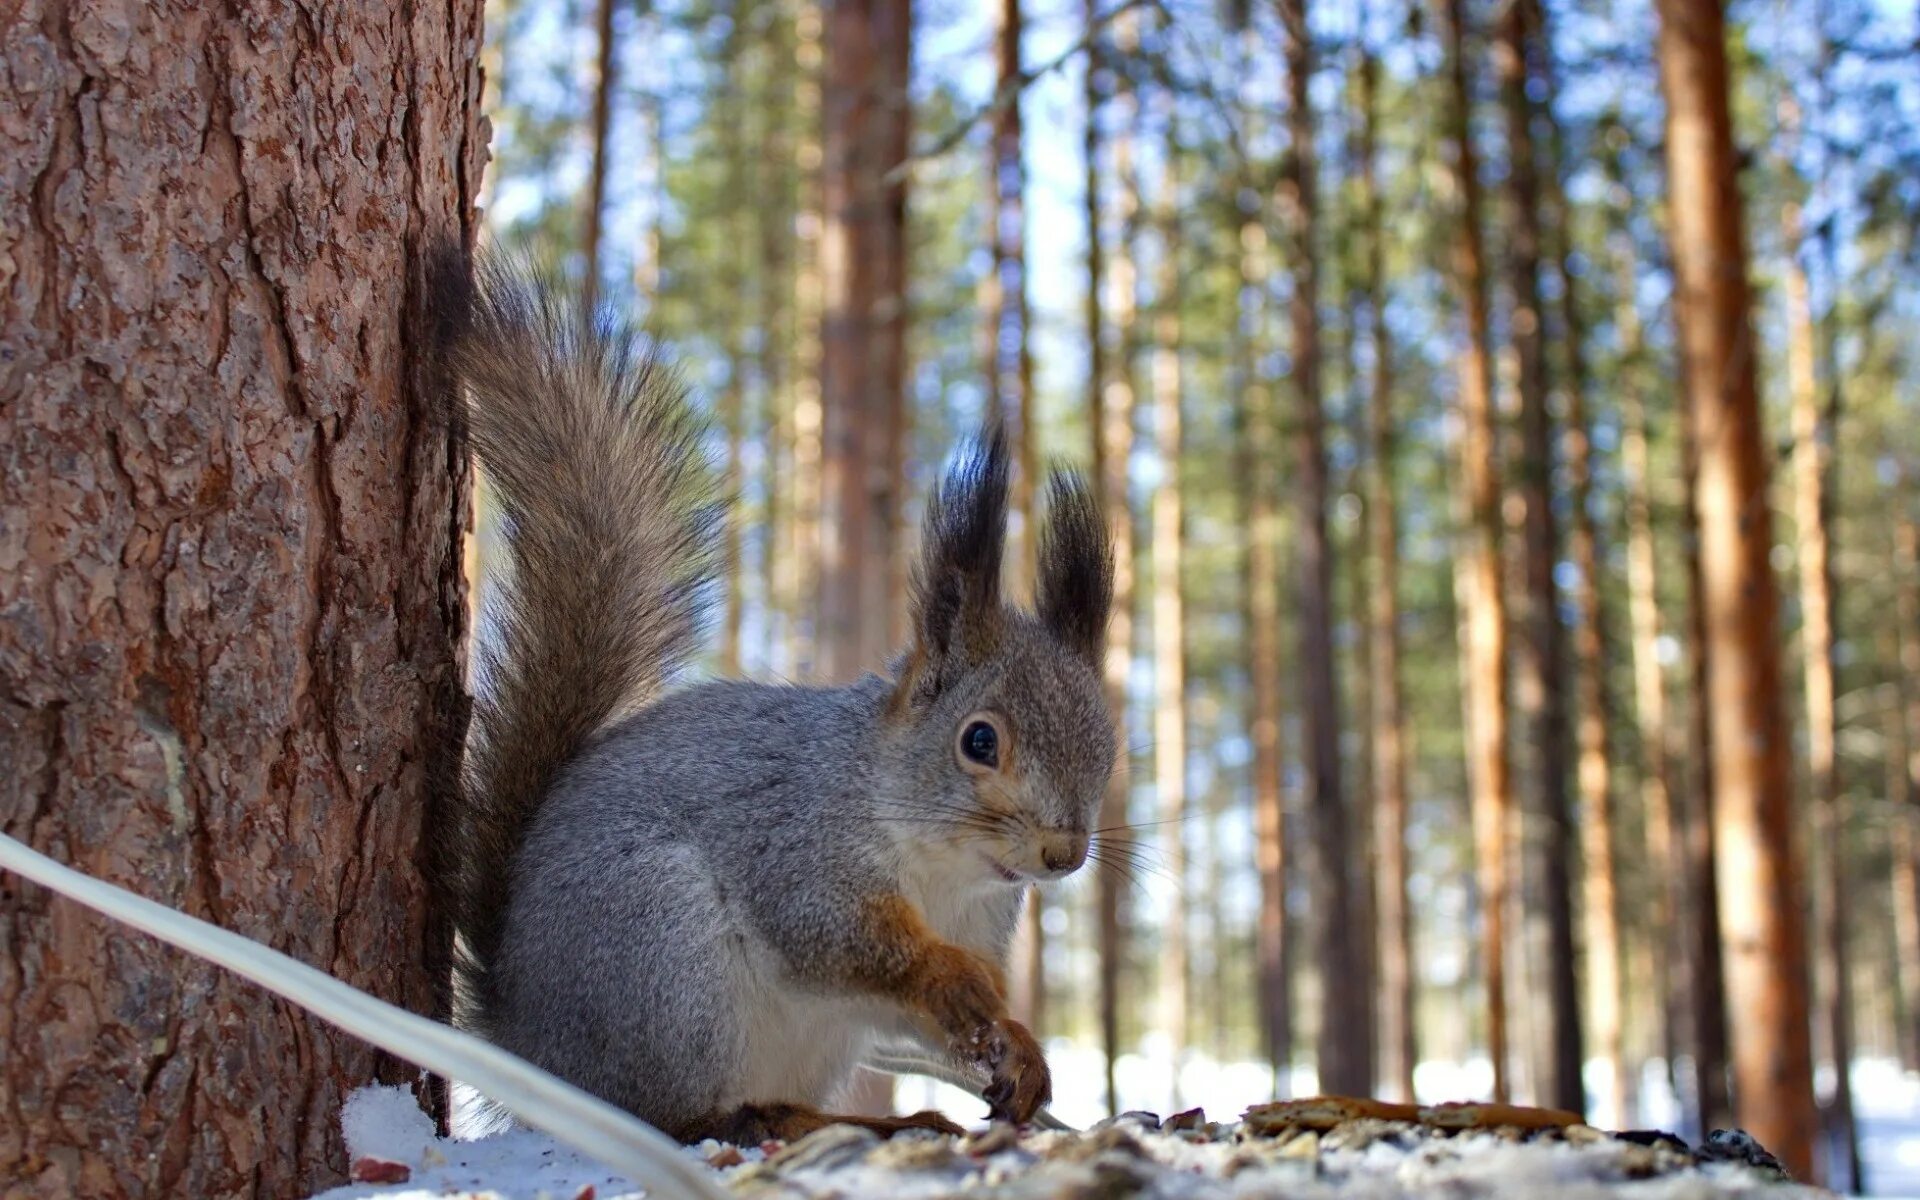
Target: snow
[1129, 1156]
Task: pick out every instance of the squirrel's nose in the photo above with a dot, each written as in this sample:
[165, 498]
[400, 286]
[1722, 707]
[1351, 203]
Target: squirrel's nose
[1064, 852]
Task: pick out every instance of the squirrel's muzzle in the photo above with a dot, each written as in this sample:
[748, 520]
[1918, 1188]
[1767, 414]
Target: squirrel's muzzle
[1063, 852]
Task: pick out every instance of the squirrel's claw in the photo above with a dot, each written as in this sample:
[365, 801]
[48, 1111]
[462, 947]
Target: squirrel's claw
[1020, 1081]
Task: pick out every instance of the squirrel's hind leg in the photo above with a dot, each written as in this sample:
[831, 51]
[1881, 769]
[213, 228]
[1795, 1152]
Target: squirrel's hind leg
[752, 1124]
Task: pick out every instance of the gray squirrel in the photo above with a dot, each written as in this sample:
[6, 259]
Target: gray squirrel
[705, 904]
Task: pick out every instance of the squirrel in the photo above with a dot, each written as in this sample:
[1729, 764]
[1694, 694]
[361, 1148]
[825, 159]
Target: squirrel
[706, 903]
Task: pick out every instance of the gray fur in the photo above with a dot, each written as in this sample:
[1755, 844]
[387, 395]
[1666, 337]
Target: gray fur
[681, 910]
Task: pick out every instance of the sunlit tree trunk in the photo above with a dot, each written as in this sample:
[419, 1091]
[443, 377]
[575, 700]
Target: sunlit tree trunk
[233, 609]
[1169, 606]
[1649, 688]
[1904, 747]
[1112, 422]
[1260, 600]
[1813, 436]
[1398, 1048]
[1607, 992]
[733, 397]
[803, 547]
[1344, 994]
[774, 220]
[1540, 681]
[1484, 619]
[1758, 880]
[1698, 857]
[603, 86]
[865, 115]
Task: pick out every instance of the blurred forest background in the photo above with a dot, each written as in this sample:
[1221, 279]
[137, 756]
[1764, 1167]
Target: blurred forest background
[1506, 409]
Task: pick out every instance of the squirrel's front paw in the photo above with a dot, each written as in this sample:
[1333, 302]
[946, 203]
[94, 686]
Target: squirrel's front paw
[1019, 1082]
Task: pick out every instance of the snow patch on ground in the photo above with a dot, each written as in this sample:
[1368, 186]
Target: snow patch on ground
[1128, 1157]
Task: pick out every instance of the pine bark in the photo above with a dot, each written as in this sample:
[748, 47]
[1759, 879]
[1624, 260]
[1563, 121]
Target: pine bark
[865, 110]
[1904, 746]
[1756, 871]
[1345, 997]
[1702, 953]
[1812, 438]
[230, 665]
[1540, 684]
[1260, 594]
[1169, 607]
[1663, 850]
[803, 547]
[603, 85]
[1113, 426]
[1607, 993]
[1399, 1052]
[1484, 625]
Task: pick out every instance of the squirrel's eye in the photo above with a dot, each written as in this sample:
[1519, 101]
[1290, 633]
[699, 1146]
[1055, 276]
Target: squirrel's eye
[980, 742]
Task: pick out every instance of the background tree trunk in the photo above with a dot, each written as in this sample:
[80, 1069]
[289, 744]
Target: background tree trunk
[1484, 624]
[1398, 1043]
[1541, 679]
[1905, 746]
[1113, 426]
[1758, 878]
[229, 666]
[1169, 608]
[1812, 437]
[863, 260]
[596, 201]
[1344, 990]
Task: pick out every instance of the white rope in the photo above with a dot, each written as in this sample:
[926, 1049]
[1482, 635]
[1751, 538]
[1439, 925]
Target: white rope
[590, 1125]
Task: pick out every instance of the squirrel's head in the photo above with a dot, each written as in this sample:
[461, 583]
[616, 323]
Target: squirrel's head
[1003, 727]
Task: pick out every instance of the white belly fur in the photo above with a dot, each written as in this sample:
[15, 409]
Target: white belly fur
[802, 1046]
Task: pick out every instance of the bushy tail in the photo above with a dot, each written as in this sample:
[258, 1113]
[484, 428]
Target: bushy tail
[606, 499]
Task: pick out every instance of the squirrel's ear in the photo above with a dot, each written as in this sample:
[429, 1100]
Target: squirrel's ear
[956, 586]
[1075, 589]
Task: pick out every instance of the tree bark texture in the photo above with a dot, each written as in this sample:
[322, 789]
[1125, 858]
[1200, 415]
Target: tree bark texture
[1112, 424]
[1484, 624]
[1344, 990]
[1169, 605]
[1812, 440]
[1904, 746]
[1391, 736]
[230, 673]
[1260, 598]
[865, 109]
[1541, 678]
[1760, 917]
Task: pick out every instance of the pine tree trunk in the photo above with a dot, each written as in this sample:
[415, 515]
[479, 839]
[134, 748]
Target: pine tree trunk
[1540, 681]
[1344, 994]
[1113, 425]
[865, 111]
[1649, 689]
[1701, 954]
[1398, 1050]
[1812, 435]
[1905, 748]
[803, 547]
[1484, 624]
[1169, 607]
[1757, 876]
[596, 204]
[230, 663]
[1260, 594]
[1606, 989]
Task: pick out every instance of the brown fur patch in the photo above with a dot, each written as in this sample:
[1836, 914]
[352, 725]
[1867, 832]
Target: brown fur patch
[754, 1124]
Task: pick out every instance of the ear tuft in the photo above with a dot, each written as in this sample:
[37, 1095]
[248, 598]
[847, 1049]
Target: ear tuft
[1075, 592]
[956, 586]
